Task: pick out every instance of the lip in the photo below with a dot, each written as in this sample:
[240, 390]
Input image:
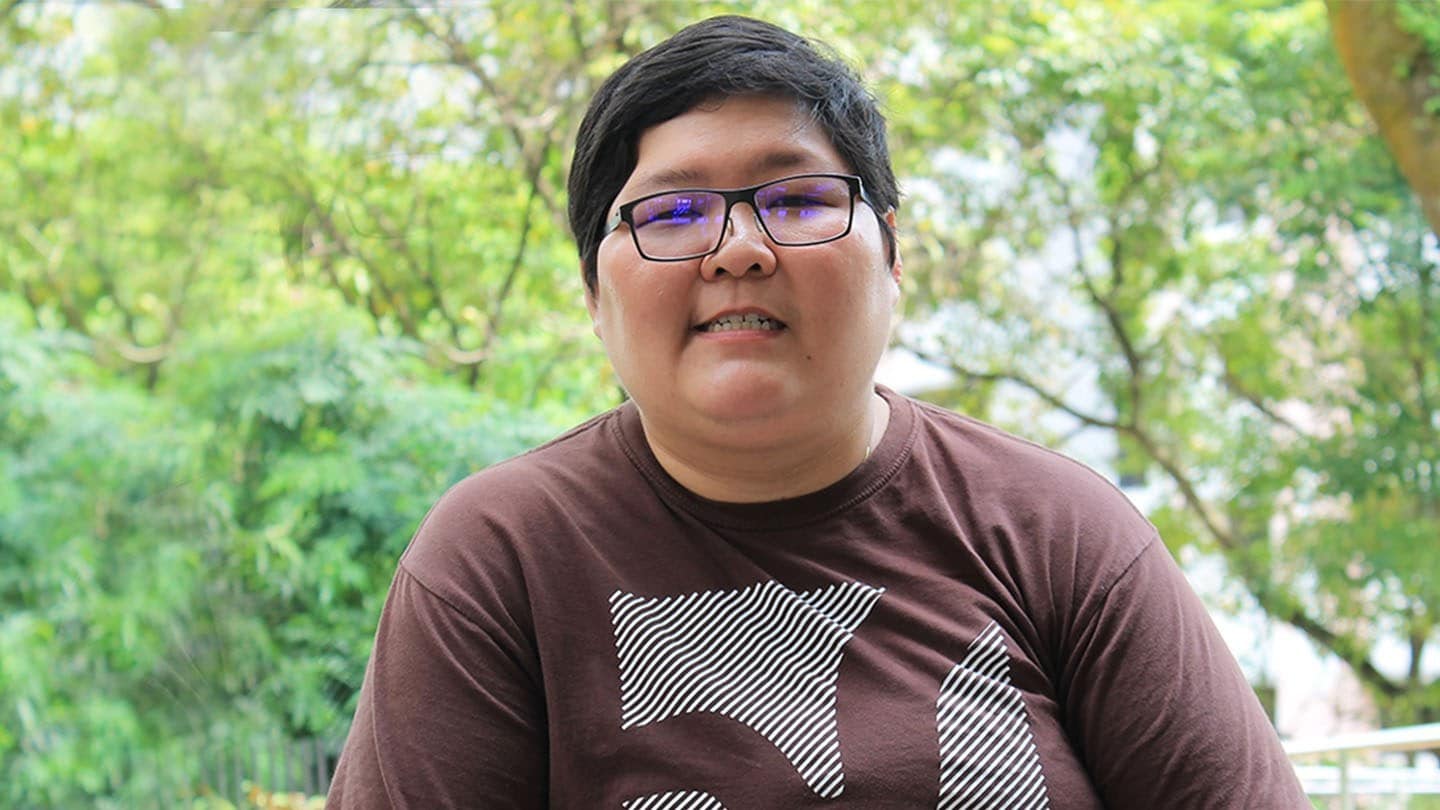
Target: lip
[741, 312]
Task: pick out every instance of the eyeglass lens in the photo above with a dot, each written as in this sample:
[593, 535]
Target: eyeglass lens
[794, 211]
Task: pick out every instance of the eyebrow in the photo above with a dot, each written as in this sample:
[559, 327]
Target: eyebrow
[674, 178]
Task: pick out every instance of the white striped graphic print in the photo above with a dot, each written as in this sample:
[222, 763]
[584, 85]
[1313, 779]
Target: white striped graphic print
[987, 752]
[764, 655]
[676, 800]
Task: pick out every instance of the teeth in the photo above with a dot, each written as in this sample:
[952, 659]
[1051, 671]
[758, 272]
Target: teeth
[730, 323]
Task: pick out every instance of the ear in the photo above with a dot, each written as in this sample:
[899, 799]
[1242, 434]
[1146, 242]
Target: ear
[896, 267]
[592, 305]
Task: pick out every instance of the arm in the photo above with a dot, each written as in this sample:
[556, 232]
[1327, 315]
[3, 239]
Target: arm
[450, 714]
[1158, 707]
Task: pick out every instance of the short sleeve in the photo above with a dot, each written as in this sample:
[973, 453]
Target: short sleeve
[1157, 706]
[450, 714]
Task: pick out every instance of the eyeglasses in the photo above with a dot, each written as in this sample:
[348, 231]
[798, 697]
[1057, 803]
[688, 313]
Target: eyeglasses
[805, 209]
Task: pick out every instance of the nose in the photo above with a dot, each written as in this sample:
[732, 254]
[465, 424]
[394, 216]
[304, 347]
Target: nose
[744, 248]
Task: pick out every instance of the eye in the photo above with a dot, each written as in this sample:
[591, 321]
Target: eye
[800, 201]
[803, 195]
[672, 209]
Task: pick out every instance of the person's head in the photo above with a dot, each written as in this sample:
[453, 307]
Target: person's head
[757, 314]
[711, 60]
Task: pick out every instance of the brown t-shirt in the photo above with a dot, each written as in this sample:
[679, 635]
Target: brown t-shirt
[966, 620]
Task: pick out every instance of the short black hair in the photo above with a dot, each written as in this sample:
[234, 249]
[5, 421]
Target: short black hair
[718, 58]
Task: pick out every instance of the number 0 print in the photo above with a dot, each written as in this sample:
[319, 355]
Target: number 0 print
[987, 752]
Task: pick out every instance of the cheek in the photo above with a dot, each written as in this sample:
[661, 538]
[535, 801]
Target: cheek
[872, 263]
[635, 310]
[647, 297]
[625, 275]
[631, 302]
[866, 289]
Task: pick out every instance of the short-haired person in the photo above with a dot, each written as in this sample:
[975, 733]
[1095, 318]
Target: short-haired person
[765, 582]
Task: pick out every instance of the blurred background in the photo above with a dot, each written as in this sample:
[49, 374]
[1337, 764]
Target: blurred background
[272, 278]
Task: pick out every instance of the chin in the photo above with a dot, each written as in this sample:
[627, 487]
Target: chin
[744, 400]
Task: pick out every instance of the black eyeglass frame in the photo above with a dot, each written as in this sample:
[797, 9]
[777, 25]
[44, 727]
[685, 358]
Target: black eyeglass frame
[626, 212]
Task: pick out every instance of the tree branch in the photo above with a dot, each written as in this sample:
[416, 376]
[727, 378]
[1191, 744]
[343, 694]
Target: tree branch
[532, 154]
[1112, 315]
[1281, 604]
[1239, 389]
[140, 355]
[495, 318]
[333, 232]
[1021, 380]
[52, 255]
[1423, 356]
[427, 273]
[1222, 535]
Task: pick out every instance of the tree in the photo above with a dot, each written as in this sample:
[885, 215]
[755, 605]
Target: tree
[217, 153]
[1171, 226]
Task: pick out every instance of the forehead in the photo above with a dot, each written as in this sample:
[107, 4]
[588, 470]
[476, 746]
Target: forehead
[731, 142]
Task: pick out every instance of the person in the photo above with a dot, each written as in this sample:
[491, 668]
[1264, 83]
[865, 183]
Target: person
[765, 581]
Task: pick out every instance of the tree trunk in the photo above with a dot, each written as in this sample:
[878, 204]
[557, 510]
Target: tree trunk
[1394, 76]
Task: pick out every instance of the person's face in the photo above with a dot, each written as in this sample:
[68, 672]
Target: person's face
[830, 305]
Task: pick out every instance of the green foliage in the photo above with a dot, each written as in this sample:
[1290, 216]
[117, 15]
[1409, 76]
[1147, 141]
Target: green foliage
[1422, 18]
[215, 552]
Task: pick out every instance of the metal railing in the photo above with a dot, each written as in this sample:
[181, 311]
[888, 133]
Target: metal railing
[1347, 779]
[223, 766]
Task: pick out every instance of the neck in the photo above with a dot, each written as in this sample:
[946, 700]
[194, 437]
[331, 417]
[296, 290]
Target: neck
[802, 463]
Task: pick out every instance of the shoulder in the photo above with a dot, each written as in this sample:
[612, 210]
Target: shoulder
[489, 527]
[1030, 494]
[1007, 460]
[574, 456]
[586, 463]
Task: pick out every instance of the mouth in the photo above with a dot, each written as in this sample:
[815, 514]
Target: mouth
[749, 321]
